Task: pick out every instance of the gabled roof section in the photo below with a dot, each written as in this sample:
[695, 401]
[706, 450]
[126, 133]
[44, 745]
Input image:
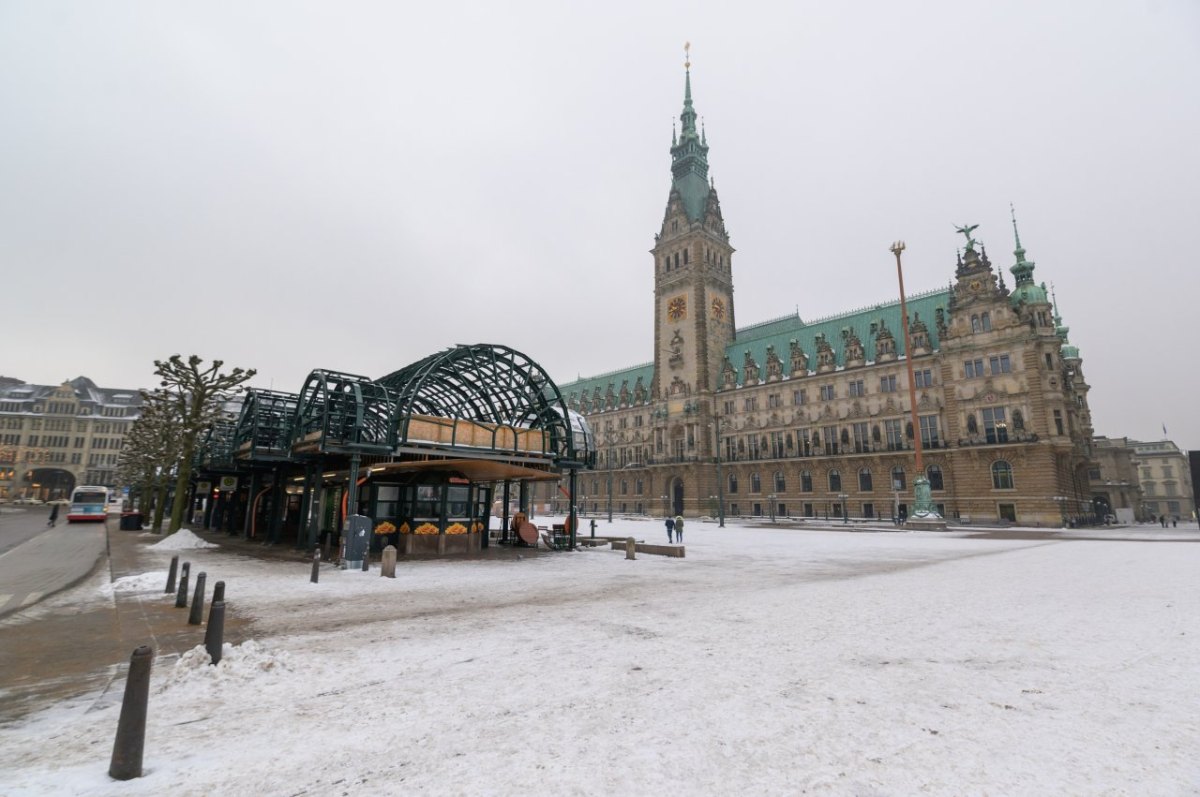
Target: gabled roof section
[781, 331]
[585, 388]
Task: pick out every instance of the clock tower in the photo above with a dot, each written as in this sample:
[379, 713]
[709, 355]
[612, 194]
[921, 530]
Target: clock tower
[693, 284]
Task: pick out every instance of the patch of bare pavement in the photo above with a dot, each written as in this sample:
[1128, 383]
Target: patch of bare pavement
[77, 643]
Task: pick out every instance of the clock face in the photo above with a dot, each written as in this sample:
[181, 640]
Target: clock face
[677, 308]
[718, 309]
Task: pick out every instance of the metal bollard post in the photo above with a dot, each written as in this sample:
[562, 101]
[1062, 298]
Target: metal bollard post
[219, 591]
[181, 596]
[387, 567]
[197, 612]
[126, 762]
[630, 548]
[366, 560]
[214, 634]
[316, 567]
[171, 575]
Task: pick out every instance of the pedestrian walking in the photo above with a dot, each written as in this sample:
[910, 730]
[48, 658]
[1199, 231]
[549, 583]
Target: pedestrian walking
[679, 529]
[670, 529]
[1175, 522]
[53, 515]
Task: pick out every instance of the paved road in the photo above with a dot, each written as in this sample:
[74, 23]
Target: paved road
[38, 561]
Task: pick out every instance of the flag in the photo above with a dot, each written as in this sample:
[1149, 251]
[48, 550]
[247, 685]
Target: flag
[1164, 430]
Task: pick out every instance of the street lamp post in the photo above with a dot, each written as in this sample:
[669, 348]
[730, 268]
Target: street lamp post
[720, 479]
[924, 511]
[771, 498]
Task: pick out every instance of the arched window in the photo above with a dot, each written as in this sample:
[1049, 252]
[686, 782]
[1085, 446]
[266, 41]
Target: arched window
[899, 482]
[1002, 475]
[780, 482]
[805, 481]
[864, 481]
[624, 487]
[755, 483]
[975, 325]
[733, 482]
[835, 481]
[934, 473]
[986, 321]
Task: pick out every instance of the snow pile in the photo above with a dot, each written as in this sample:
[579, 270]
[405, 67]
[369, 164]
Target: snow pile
[142, 582]
[181, 540]
[243, 662]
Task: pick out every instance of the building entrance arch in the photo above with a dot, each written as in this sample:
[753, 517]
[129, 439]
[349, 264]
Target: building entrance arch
[677, 497]
[50, 484]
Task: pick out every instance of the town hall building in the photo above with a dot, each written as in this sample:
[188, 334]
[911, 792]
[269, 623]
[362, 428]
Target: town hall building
[811, 418]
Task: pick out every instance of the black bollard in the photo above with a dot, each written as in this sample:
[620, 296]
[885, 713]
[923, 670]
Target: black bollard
[181, 596]
[215, 632]
[126, 760]
[366, 561]
[219, 591]
[171, 575]
[197, 611]
[316, 568]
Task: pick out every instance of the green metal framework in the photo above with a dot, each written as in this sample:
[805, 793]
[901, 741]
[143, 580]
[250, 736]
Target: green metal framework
[214, 452]
[493, 385]
[344, 413]
[264, 428]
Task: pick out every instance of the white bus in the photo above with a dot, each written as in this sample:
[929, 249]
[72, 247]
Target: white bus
[88, 503]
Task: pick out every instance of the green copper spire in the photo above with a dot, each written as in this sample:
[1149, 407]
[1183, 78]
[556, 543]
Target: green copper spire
[1025, 289]
[689, 154]
[1069, 352]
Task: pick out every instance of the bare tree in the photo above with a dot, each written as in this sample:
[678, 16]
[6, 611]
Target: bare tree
[150, 457]
[195, 394]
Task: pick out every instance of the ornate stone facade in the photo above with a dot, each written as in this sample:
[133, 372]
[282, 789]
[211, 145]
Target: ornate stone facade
[1001, 395]
[54, 437]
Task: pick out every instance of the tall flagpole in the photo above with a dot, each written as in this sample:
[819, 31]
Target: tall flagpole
[924, 513]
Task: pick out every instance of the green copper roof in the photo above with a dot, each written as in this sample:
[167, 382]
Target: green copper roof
[1025, 290]
[689, 159]
[780, 332]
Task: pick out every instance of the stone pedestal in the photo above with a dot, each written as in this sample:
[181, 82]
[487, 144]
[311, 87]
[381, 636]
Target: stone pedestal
[926, 523]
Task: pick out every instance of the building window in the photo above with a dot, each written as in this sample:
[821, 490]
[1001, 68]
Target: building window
[1049, 361]
[994, 425]
[805, 482]
[1058, 421]
[750, 404]
[868, 510]
[857, 389]
[1002, 475]
[773, 401]
[934, 474]
[973, 368]
[1167, 472]
[777, 445]
[780, 482]
[755, 483]
[829, 438]
[895, 435]
[929, 431]
[975, 325]
[733, 482]
[923, 377]
[827, 393]
[835, 481]
[864, 481]
[999, 364]
[808, 510]
[899, 482]
[887, 384]
[799, 396]
[861, 434]
[986, 320]
[733, 510]
[729, 407]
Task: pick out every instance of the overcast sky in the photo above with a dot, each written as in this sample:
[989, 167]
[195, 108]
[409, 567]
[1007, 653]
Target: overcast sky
[353, 186]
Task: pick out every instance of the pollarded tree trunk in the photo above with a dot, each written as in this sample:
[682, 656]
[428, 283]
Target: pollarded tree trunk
[160, 506]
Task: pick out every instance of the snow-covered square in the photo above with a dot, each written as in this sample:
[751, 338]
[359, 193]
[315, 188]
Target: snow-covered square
[767, 661]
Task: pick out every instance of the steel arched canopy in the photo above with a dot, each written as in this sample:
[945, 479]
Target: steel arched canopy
[487, 384]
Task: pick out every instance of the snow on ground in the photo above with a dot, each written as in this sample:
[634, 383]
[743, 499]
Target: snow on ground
[768, 661]
[182, 540]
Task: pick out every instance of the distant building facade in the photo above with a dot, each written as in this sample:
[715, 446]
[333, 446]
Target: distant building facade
[812, 418]
[1114, 480]
[1164, 478]
[54, 437]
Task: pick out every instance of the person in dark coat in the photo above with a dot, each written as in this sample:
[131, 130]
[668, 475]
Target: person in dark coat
[670, 529]
[53, 515]
[679, 529]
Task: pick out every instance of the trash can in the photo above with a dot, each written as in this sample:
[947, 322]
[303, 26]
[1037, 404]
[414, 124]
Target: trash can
[131, 521]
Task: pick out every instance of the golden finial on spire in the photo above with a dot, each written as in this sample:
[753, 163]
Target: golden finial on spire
[687, 55]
